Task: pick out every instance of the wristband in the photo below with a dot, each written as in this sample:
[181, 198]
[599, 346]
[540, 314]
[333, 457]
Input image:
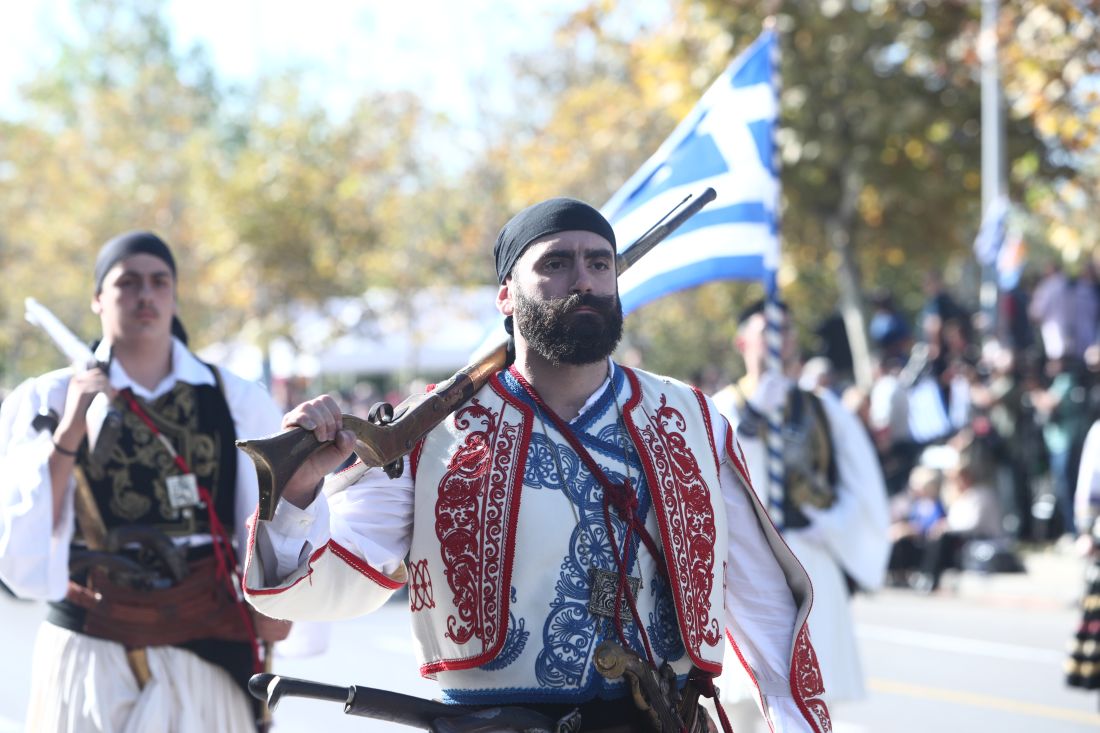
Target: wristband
[65, 451]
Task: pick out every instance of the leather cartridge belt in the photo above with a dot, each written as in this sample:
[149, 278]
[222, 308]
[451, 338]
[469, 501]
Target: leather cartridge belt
[198, 607]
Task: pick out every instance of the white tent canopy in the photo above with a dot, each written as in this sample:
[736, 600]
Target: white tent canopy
[430, 331]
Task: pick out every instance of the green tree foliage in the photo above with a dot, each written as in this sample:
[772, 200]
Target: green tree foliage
[269, 200]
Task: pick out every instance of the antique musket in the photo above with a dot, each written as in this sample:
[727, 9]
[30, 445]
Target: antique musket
[277, 457]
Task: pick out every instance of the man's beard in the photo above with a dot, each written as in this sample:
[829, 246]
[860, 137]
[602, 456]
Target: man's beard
[558, 335]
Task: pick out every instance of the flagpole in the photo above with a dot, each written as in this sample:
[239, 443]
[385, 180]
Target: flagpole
[773, 315]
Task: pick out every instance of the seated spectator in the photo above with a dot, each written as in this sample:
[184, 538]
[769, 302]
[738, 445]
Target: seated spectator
[973, 513]
[914, 514]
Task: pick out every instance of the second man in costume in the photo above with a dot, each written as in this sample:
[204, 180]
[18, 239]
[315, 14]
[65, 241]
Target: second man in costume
[832, 498]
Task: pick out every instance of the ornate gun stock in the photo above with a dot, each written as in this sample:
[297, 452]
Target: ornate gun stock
[278, 456]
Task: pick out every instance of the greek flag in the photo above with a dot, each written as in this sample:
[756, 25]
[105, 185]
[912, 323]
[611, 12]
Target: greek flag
[725, 143]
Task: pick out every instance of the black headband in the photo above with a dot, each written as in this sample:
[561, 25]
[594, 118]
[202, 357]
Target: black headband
[548, 217]
[128, 245]
[757, 306]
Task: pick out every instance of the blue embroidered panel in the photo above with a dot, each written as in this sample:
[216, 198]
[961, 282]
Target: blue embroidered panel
[570, 633]
[514, 641]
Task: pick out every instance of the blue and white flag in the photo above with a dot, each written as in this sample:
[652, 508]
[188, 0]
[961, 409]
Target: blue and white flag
[991, 233]
[726, 142]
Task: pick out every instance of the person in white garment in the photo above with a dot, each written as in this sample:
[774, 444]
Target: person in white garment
[833, 502]
[144, 630]
[572, 501]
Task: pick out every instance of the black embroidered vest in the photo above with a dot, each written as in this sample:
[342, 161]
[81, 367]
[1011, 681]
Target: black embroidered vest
[130, 486]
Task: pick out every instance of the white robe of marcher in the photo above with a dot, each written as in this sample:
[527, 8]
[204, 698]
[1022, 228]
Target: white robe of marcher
[343, 555]
[850, 536]
[81, 684]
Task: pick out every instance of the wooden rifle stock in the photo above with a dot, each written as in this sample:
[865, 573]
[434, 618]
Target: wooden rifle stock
[278, 457]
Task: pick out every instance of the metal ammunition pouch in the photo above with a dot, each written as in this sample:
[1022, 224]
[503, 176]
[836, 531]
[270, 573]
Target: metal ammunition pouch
[808, 452]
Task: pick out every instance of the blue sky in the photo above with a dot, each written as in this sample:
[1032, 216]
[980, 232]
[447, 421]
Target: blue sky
[439, 47]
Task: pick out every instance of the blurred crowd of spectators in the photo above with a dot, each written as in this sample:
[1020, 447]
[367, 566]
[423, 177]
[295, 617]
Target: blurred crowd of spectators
[980, 421]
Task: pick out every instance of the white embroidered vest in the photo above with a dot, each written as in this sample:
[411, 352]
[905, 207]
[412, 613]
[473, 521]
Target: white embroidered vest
[502, 546]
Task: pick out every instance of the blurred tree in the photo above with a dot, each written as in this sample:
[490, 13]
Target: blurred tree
[270, 201]
[1050, 56]
[107, 140]
[880, 140]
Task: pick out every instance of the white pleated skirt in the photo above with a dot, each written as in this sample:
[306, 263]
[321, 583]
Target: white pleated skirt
[80, 684]
[831, 631]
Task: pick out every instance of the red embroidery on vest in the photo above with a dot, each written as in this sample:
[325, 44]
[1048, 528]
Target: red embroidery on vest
[807, 682]
[691, 532]
[421, 595]
[733, 450]
[469, 521]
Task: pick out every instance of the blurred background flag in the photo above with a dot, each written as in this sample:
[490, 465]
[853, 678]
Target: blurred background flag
[726, 142]
[1011, 258]
[991, 233]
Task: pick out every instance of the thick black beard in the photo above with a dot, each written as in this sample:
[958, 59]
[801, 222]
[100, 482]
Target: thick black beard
[562, 338]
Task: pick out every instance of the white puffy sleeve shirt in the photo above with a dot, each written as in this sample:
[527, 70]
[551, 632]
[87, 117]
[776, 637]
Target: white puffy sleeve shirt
[34, 554]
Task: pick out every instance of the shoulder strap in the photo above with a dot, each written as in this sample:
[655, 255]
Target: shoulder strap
[217, 376]
[823, 421]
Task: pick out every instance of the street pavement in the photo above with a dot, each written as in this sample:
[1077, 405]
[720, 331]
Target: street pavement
[984, 653]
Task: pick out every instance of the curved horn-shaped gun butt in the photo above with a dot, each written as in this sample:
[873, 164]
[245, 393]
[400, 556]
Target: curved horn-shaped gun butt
[278, 457]
[271, 688]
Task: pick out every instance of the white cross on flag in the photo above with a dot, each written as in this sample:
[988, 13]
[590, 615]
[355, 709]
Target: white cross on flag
[726, 142]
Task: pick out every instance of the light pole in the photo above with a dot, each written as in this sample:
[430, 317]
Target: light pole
[994, 183]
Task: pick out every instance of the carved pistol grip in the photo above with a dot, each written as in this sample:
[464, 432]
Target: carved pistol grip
[613, 662]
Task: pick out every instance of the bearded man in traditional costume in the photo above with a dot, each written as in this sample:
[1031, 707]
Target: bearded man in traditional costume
[569, 502]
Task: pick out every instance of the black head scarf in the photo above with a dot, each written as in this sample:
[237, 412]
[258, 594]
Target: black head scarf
[128, 245]
[548, 217]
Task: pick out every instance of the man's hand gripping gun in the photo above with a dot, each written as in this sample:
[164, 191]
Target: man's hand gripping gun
[80, 357]
[278, 457]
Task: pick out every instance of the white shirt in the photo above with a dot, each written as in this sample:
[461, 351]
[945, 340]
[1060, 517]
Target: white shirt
[34, 555]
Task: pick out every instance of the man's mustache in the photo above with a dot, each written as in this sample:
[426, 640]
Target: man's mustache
[603, 304]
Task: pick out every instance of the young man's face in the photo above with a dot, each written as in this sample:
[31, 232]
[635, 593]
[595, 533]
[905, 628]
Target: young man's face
[137, 299]
[563, 294]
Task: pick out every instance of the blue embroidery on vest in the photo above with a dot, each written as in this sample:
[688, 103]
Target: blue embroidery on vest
[663, 629]
[570, 634]
[514, 641]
